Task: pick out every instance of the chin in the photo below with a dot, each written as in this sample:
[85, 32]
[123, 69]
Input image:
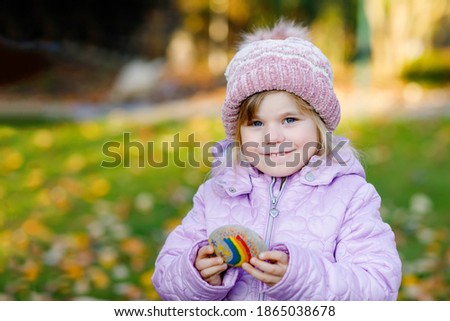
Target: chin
[279, 171]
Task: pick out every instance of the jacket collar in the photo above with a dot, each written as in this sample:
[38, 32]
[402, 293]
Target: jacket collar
[322, 170]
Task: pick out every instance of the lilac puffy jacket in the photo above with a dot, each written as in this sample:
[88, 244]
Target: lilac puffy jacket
[328, 222]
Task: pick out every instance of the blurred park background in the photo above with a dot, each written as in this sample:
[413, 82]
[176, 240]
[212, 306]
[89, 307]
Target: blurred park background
[77, 75]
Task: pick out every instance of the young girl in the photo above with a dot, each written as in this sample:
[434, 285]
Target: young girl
[292, 182]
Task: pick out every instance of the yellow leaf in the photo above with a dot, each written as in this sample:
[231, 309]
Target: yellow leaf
[152, 295]
[5, 242]
[81, 241]
[43, 138]
[73, 269]
[75, 163]
[90, 130]
[146, 278]
[410, 280]
[43, 198]
[200, 127]
[34, 228]
[133, 246]
[99, 278]
[35, 178]
[31, 270]
[100, 187]
[13, 160]
[171, 224]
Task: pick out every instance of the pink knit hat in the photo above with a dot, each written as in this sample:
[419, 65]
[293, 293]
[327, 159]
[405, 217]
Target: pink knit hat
[280, 59]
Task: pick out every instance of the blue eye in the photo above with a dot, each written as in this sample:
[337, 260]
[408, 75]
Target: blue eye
[289, 120]
[256, 123]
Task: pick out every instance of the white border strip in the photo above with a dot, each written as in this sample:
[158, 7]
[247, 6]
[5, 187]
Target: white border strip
[135, 310]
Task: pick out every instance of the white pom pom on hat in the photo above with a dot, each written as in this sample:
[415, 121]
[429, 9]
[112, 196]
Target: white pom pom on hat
[282, 30]
[280, 58]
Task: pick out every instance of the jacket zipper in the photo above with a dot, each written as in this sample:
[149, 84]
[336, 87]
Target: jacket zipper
[273, 213]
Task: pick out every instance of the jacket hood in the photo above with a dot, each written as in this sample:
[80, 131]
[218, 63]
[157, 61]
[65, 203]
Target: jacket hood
[320, 170]
[324, 170]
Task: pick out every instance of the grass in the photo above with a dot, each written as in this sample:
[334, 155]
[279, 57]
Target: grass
[70, 228]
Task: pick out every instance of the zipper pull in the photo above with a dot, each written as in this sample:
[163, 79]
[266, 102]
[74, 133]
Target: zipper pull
[273, 211]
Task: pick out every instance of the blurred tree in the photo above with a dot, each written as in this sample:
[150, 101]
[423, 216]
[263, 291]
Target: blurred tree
[113, 25]
[333, 31]
[328, 19]
[402, 31]
[36, 34]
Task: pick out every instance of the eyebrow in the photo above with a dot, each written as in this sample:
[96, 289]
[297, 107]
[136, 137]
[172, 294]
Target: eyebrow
[290, 114]
[283, 115]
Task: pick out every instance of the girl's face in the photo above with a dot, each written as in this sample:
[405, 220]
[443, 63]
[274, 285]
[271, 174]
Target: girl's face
[279, 139]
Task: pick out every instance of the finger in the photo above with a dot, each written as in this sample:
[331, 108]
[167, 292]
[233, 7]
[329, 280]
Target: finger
[267, 267]
[204, 263]
[214, 280]
[213, 271]
[275, 256]
[205, 251]
[260, 275]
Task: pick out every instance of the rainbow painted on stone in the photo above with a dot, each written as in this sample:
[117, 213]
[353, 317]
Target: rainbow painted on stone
[239, 249]
[236, 244]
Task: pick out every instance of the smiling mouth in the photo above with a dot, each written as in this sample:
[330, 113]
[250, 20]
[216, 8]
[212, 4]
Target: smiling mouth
[277, 154]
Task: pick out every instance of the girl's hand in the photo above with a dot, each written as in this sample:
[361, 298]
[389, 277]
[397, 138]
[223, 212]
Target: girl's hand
[210, 267]
[269, 268]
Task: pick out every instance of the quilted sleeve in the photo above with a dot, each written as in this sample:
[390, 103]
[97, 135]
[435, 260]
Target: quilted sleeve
[175, 277]
[366, 267]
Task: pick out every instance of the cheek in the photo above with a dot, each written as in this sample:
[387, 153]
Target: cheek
[310, 136]
[248, 137]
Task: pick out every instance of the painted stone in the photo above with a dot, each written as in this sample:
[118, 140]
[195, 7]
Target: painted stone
[236, 244]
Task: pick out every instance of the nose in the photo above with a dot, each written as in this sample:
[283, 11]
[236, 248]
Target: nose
[273, 135]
